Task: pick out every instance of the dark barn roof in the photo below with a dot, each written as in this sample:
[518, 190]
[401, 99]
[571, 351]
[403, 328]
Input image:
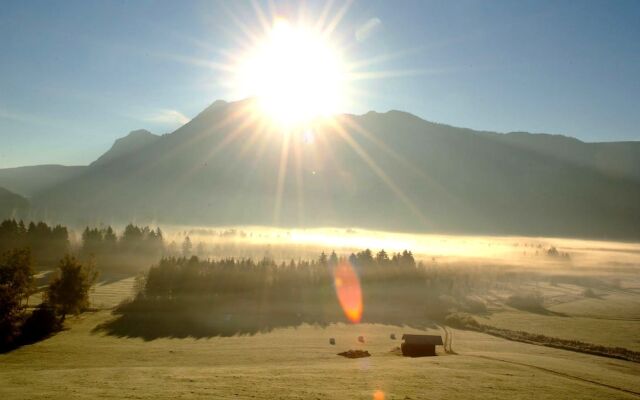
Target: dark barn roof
[422, 339]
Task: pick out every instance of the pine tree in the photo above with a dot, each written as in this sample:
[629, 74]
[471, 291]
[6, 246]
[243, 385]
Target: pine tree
[186, 247]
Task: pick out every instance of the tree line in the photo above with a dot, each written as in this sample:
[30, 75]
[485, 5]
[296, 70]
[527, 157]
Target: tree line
[135, 248]
[176, 277]
[47, 243]
[188, 296]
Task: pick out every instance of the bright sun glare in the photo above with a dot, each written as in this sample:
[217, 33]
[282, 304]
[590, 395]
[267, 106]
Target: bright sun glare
[295, 74]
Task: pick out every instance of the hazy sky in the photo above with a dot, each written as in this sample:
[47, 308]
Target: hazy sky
[76, 75]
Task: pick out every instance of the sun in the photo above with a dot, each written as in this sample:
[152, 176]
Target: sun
[295, 74]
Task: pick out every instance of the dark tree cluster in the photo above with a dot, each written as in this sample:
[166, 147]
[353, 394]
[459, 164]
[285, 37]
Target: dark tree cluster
[67, 293]
[136, 247]
[47, 243]
[180, 277]
[194, 297]
[16, 284]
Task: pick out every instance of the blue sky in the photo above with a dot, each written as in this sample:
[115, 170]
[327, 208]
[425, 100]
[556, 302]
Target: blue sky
[76, 75]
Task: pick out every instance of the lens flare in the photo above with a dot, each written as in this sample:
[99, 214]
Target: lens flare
[348, 289]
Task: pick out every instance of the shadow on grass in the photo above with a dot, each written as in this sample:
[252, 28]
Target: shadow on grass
[542, 311]
[41, 324]
[533, 303]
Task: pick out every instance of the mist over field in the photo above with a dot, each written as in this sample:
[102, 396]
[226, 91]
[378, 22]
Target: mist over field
[283, 244]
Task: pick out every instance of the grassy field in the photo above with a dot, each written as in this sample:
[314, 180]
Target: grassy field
[611, 319]
[299, 363]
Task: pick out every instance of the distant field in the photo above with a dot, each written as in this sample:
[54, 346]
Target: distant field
[611, 320]
[298, 362]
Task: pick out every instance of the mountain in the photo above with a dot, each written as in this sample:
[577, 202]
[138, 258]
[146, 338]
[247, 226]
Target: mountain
[614, 159]
[127, 145]
[388, 170]
[11, 204]
[27, 181]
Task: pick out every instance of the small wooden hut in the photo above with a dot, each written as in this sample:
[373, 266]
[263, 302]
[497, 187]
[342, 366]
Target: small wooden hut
[420, 345]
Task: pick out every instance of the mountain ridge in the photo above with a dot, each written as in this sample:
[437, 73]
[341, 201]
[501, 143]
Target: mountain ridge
[389, 170]
[123, 146]
[29, 180]
[12, 205]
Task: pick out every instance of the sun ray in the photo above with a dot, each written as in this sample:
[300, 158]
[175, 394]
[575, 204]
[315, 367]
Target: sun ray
[250, 35]
[353, 125]
[244, 115]
[198, 62]
[297, 156]
[375, 75]
[432, 183]
[264, 22]
[378, 171]
[324, 14]
[367, 62]
[282, 173]
[239, 41]
[331, 26]
[322, 156]
[259, 133]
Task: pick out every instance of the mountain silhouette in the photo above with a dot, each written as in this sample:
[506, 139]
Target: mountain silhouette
[11, 204]
[27, 181]
[127, 145]
[30, 180]
[388, 170]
